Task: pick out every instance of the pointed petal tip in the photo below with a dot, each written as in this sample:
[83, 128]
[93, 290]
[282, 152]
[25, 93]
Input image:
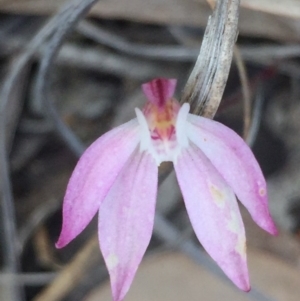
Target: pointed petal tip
[245, 288]
[64, 239]
[61, 243]
[58, 245]
[268, 225]
[273, 230]
[238, 273]
[243, 283]
[120, 287]
[118, 296]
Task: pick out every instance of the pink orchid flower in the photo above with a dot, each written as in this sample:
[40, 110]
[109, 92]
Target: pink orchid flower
[118, 175]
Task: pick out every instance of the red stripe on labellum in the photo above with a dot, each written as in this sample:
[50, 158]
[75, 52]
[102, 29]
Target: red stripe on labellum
[158, 87]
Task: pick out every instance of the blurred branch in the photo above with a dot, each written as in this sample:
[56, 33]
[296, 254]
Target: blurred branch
[245, 90]
[42, 86]
[256, 115]
[11, 260]
[30, 279]
[35, 220]
[288, 8]
[161, 52]
[271, 52]
[103, 60]
[68, 278]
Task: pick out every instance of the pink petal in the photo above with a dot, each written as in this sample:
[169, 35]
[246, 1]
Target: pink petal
[214, 214]
[236, 163]
[159, 90]
[93, 176]
[126, 220]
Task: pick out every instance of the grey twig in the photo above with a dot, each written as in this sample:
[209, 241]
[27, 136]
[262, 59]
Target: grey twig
[161, 52]
[71, 274]
[103, 60]
[245, 90]
[270, 52]
[35, 220]
[31, 279]
[256, 115]
[13, 292]
[79, 9]
[206, 84]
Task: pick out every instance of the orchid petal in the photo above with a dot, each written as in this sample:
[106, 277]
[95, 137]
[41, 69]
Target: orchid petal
[214, 213]
[126, 220]
[93, 176]
[181, 125]
[236, 163]
[158, 91]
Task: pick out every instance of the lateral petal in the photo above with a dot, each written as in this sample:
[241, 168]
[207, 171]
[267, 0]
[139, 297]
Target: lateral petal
[93, 176]
[214, 214]
[236, 163]
[126, 220]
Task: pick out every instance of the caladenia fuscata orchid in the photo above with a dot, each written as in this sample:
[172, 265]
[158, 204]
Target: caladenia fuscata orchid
[118, 176]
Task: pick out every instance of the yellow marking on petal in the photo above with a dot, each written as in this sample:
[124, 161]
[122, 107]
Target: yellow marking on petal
[262, 191]
[233, 224]
[218, 195]
[112, 261]
[241, 247]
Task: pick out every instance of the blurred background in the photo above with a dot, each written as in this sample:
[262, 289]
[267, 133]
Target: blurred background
[95, 85]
